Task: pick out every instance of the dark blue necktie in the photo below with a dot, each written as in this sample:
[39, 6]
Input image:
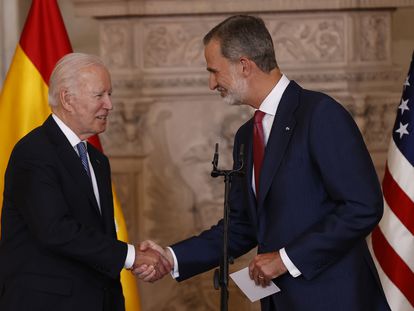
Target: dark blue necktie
[83, 156]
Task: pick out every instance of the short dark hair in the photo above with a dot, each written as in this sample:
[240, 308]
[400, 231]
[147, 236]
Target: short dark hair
[243, 35]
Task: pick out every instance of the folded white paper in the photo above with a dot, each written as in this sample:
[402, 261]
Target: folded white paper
[249, 288]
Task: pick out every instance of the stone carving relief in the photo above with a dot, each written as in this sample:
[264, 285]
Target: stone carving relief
[173, 45]
[308, 39]
[125, 128]
[172, 204]
[375, 118]
[358, 109]
[375, 36]
[210, 203]
[177, 44]
[380, 117]
[168, 52]
[116, 44]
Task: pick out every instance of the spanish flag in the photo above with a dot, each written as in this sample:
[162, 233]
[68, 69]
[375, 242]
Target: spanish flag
[24, 100]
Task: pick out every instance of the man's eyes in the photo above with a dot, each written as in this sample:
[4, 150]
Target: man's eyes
[99, 95]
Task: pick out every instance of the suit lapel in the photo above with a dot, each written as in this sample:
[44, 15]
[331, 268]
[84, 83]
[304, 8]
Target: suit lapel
[281, 132]
[104, 187]
[70, 160]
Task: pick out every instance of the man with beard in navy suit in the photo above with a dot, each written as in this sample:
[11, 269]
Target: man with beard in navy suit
[310, 194]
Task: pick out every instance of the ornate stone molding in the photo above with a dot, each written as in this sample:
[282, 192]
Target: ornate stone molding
[116, 40]
[372, 33]
[316, 39]
[374, 114]
[106, 8]
[324, 39]
[327, 51]
[197, 84]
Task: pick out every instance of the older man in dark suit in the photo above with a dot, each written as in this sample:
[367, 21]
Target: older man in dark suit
[58, 247]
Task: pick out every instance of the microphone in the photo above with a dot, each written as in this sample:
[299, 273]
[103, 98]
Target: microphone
[214, 172]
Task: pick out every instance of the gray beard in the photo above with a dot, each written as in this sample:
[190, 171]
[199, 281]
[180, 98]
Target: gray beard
[235, 97]
[233, 100]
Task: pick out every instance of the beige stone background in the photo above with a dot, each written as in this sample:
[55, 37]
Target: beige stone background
[162, 131]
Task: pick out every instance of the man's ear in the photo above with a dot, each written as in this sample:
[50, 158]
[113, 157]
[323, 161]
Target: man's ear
[66, 99]
[246, 66]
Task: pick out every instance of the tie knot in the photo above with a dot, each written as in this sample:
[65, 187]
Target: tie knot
[81, 148]
[258, 116]
[83, 155]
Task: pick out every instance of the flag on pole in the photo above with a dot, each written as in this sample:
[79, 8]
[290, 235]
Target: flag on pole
[24, 98]
[393, 238]
[24, 101]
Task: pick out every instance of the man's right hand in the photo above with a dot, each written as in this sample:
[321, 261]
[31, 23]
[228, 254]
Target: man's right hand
[152, 262]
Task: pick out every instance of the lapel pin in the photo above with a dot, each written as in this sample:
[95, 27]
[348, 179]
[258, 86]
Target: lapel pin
[287, 128]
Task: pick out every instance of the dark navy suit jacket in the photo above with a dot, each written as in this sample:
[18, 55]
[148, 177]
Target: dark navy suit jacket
[319, 198]
[57, 252]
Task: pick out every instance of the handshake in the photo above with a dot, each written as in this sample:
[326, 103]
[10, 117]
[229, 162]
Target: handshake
[152, 262]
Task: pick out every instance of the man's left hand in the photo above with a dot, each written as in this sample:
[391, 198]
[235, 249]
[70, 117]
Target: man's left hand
[265, 267]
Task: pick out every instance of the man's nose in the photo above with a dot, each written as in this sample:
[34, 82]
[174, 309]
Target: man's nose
[108, 102]
[212, 82]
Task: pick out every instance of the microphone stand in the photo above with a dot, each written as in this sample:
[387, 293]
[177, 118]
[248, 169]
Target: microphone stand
[221, 276]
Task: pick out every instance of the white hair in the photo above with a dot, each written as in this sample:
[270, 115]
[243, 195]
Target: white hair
[66, 73]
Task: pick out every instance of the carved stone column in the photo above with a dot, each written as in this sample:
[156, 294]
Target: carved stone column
[162, 132]
[9, 30]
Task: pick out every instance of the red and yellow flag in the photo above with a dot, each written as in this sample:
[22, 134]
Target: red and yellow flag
[24, 100]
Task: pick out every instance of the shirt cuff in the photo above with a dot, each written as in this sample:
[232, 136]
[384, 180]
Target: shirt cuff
[174, 273]
[130, 258]
[289, 264]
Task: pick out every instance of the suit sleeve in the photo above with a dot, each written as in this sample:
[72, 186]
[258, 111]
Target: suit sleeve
[352, 190]
[203, 252]
[43, 205]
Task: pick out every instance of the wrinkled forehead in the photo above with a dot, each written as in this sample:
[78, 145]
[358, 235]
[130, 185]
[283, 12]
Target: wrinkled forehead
[93, 70]
[93, 74]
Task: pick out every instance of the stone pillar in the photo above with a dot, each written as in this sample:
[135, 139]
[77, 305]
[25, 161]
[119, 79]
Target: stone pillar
[9, 29]
[162, 131]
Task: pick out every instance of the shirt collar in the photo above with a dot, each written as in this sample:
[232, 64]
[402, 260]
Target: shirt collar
[272, 100]
[70, 135]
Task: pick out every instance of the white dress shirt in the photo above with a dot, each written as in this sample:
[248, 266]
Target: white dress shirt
[269, 106]
[74, 140]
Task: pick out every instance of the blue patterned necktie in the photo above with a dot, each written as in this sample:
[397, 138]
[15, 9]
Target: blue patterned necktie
[83, 156]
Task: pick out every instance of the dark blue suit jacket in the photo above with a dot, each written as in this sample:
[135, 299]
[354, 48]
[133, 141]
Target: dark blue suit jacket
[57, 252]
[319, 198]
